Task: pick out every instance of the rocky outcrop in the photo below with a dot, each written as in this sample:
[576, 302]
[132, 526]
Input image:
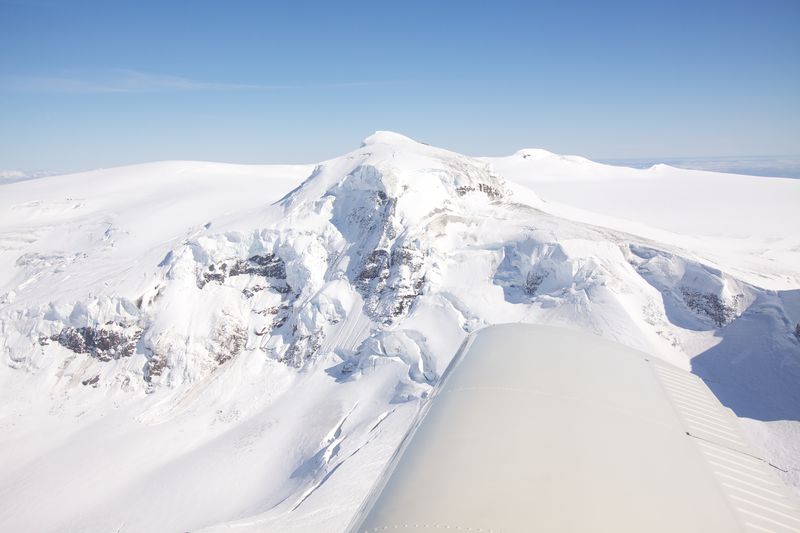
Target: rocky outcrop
[711, 305]
[390, 281]
[525, 266]
[104, 343]
[92, 381]
[155, 366]
[533, 280]
[265, 266]
[303, 347]
[228, 341]
[494, 193]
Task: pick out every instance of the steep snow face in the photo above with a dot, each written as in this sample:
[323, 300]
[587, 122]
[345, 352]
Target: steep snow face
[251, 346]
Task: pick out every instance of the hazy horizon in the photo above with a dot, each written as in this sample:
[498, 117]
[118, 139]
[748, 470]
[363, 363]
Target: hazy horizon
[781, 166]
[86, 84]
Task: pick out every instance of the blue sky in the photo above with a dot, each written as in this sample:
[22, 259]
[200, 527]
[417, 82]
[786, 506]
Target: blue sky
[89, 83]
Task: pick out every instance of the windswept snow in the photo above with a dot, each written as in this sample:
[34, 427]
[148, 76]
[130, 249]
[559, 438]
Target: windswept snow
[199, 346]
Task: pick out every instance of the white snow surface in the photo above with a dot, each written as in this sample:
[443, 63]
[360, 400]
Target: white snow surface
[196, 346]
[744, 222]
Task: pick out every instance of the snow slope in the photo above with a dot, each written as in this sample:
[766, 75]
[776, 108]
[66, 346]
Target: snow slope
[200, 347]
[744, 222]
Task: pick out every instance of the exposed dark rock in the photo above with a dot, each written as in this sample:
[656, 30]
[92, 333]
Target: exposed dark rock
[104, 343]
[229, 342]
[155, 366]
[375, 268]
[212, 275]
[375, 214]
[390, 282]
[91, 381]
[797, 331]
[711, 305]
[250, 291]
[303, 348]
[520, 276]
[492, 192]
[265, 266]
[533, 281]
[279, 312]
[387, 286]
[282, 288]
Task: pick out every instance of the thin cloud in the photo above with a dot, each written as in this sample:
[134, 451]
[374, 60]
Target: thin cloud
[121, 81]
[133, 81]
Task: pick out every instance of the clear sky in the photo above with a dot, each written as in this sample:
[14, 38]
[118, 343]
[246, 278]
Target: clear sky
[99, 83]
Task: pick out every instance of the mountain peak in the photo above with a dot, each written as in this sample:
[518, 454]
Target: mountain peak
[535, 153]
[387, 137]
[417, 178]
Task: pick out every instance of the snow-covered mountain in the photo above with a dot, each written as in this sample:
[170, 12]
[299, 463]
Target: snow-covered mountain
[198, 346]
[11, 176]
